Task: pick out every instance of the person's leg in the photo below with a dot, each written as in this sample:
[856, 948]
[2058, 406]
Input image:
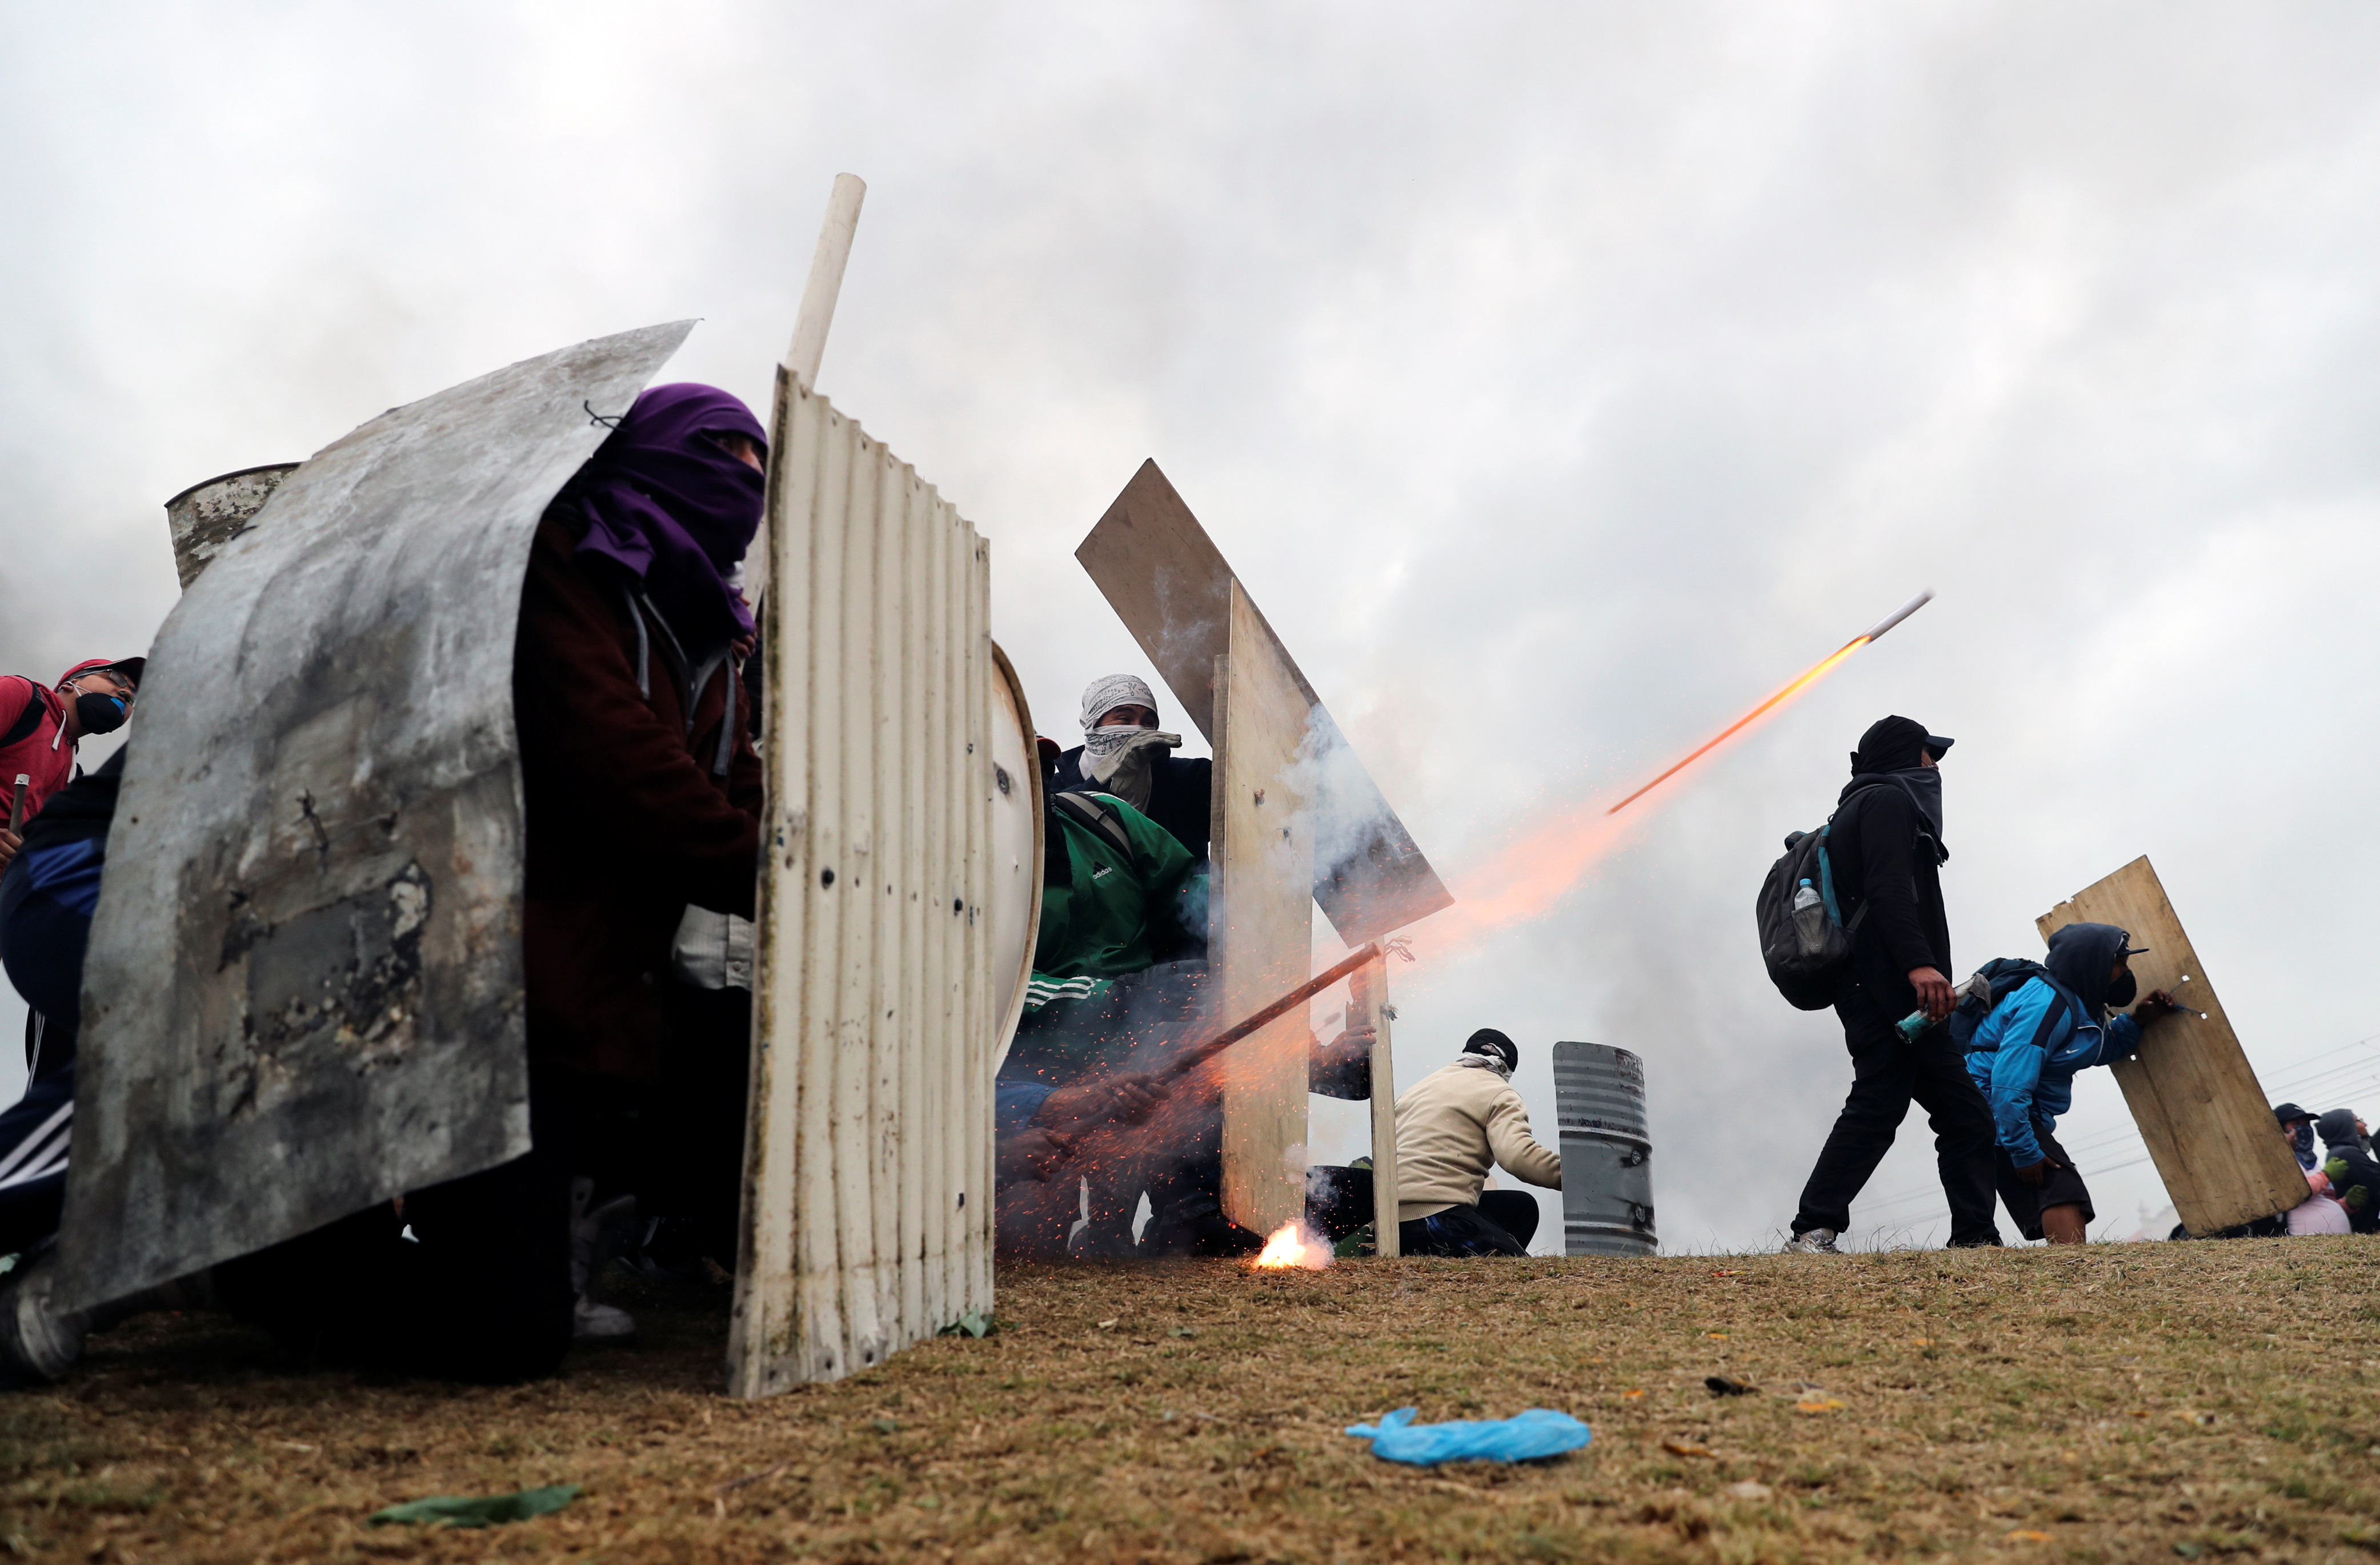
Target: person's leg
[2066, 1211]
[2023, 1200]
[1458, 1231]
[1882, 1075]
[493, 1301]
[1963, 1137]
[34, 1134]
[1514, 1211]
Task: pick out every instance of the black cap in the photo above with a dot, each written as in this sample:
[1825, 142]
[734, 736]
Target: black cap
[2285, 1112]
[1939, 746]
[1487, 1040]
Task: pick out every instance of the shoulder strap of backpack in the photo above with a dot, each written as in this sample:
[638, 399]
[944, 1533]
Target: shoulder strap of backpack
[1096, 814]
[27, 719]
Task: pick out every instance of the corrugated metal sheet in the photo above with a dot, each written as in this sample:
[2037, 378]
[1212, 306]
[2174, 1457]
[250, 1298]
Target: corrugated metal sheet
[303, 993]
[868, 1205]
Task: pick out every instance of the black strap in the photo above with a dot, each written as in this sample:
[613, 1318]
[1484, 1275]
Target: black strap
[27, 719]
[1091, 812]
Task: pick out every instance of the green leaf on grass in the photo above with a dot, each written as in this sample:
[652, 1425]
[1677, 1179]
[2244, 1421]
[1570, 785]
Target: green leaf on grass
[479, 1511]
[976, 1324]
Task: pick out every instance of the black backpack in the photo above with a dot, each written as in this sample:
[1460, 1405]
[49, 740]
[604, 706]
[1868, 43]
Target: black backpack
[1991, 983]
[1804, 955]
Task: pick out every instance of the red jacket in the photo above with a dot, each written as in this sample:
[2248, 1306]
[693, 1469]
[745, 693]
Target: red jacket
[36, 715]
[628, 819]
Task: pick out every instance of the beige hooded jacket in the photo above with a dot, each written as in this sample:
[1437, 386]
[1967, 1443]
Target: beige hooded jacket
[1452, 1125]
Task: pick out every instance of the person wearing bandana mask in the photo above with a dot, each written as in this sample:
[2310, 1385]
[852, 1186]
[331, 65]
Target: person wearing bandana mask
[1125, 754]
[39, 727]
[1886, 851]
[1452, 1126]
[2025, 1054]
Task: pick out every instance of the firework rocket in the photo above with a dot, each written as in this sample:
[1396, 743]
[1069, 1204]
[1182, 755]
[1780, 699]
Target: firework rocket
[1811, 677]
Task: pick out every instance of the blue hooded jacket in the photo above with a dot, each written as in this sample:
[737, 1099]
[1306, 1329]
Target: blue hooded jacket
[2025, 1054]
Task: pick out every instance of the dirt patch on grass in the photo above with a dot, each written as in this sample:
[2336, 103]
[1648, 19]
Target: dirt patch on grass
[2124, 1403]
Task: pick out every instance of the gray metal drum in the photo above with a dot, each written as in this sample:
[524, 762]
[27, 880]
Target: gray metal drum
[1607, 1154]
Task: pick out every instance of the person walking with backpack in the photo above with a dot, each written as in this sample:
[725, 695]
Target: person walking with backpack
[2035, 1025]
[1882, 862]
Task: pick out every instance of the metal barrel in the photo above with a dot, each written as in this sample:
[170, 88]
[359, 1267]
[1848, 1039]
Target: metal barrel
[205, 516]
[1606, 1151]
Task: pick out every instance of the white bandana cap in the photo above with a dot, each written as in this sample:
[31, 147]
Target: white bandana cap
[1106, 695]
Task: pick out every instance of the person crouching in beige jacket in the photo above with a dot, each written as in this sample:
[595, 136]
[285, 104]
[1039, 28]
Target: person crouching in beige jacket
[1452, 1125]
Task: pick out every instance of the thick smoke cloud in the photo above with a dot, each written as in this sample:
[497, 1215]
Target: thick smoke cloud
[1560, 377]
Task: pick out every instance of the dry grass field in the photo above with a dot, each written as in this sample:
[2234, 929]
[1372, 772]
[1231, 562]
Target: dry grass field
[2123, 1402]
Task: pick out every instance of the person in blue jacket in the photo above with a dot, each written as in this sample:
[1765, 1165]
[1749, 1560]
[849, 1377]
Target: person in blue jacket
[2024, 1057]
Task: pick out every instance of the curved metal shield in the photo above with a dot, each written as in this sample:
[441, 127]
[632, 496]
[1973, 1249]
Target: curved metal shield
[303, 993]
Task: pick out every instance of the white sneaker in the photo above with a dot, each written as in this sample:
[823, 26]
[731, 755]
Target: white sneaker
[592, 1322]
[1817, 1242]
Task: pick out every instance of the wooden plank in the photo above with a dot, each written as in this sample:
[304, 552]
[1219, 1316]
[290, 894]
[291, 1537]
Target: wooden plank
[1367, 1006]
[2190, 1088]
[1262, 938]
[1172, 589]
[976, 1044]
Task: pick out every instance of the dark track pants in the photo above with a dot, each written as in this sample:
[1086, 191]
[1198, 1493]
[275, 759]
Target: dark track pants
[41, 943]
[1887, 1075]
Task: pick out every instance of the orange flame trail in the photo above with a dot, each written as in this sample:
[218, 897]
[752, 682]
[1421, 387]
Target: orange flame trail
[1810, 676]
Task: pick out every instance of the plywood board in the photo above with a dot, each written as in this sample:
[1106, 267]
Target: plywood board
[1262, 911]
[1367, 1006]
[1172, 589]
[868, 1159]
[2197, 1101]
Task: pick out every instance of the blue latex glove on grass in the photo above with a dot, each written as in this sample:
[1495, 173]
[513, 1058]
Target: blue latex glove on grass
[1531, 1437]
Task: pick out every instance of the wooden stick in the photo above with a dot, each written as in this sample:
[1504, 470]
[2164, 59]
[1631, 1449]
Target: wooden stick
[808, 345]
[17, 805]
[1198, 1054]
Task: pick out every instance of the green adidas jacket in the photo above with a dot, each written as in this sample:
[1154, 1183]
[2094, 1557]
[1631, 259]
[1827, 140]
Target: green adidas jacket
[1114, 912]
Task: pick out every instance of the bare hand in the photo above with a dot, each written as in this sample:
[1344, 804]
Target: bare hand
[1128, 1098]
[1935, 996]
[744, 647]
[9, 844]
[2036, 1174]
[1031, 1153]
[2157, 1003]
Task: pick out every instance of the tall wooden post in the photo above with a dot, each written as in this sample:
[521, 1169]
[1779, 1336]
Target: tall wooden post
[1367, 1006]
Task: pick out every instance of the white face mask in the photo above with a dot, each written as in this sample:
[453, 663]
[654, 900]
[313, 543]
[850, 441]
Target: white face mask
[1486, 1062]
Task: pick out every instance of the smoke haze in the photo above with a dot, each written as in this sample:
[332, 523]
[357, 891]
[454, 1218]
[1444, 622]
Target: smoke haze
[1560, 379]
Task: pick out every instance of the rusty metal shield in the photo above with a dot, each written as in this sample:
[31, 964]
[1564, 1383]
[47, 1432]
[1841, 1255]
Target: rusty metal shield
[303, 993]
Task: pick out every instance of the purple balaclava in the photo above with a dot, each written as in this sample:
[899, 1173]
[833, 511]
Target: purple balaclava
[665, 502]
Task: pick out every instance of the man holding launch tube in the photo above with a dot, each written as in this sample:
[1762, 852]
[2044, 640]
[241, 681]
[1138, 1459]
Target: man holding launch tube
[1884, 851]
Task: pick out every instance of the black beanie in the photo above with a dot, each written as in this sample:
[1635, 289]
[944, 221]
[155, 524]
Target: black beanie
[1891, 744]
[1487, 1040]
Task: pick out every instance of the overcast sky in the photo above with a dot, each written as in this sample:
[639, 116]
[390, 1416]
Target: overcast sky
[1560, 379]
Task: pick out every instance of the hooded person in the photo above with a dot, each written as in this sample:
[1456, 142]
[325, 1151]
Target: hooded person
[2025, 1054]
[1884, 852]
[1123, 753]
[642, 795]
[1452, 1126]
[40, 725]
[2354, 1176]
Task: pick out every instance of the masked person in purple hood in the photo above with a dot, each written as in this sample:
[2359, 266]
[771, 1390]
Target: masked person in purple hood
[642, 795]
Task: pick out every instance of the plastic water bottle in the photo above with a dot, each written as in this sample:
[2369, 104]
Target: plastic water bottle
[1810, 919]
[1914, 1023]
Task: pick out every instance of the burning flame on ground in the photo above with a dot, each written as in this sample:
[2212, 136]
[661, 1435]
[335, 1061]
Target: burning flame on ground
[1289, 1248]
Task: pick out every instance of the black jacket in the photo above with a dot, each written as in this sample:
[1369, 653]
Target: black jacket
[1181, 795]
[2354, 1177]
[1883, 856]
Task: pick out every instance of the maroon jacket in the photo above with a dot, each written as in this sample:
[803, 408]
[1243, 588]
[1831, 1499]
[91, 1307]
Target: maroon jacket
[627, 821]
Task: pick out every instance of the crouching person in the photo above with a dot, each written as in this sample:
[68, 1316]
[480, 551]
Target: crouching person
[1451, 1126]
[2048, 1022]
